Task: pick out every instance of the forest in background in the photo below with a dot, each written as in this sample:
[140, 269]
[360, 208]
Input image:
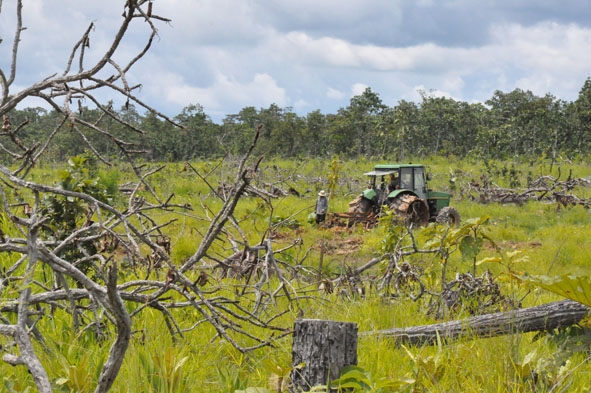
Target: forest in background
[508, 125]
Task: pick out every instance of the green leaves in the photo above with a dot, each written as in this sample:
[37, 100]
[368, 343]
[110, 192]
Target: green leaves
[360, 380]
[470, 247]
[469, 237]
[573, 287]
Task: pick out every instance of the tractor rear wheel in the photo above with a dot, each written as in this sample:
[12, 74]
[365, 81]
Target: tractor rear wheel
[412, 209]
[449, 215]
[361, 206]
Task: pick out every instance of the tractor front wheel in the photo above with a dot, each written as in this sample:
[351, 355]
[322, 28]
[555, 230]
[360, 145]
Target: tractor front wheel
[361, 206]
[359, 210]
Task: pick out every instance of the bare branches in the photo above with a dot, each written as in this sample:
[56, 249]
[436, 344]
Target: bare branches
[71, 244]
[21, 335]
[91, 245]
[119, 347]
[243, 178]
[87, 254]
[5, 83]
[83, 83]
[544, 188]
[81, 44]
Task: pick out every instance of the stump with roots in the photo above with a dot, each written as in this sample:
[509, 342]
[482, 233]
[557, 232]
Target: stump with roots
[320, 351]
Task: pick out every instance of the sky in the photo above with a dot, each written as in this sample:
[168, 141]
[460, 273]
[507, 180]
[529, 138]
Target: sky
[310, 55]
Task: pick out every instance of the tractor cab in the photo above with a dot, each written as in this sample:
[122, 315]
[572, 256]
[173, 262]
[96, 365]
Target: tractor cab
[387, 181]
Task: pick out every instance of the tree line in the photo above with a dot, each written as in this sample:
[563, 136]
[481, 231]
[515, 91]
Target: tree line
[507, 125]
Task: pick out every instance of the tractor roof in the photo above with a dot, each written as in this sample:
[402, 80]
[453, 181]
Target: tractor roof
[380, 172]
[389, 167]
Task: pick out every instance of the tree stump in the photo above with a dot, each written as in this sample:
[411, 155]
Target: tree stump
[320, 350]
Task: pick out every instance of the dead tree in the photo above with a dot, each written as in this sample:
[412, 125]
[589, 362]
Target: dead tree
[59, 91]
[85, 259]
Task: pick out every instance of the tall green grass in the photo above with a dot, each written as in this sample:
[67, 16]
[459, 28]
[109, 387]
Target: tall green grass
[551, 241]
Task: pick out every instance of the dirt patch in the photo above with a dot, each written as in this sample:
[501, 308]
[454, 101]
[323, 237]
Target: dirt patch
[341, 246]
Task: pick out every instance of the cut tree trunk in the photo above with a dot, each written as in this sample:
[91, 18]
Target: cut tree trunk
[539, 318]
[321, 349]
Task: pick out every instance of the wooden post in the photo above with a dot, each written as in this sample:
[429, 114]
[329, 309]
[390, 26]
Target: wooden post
[320, 350]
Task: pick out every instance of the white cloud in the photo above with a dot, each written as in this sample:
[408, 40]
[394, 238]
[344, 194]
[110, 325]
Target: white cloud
[358, 88]
[453, 84]
[546, 46]
[544, 58]
[228, 54]
[212, 22]
[301, 105]
[334, 94]
[327, 51]
[260, 91]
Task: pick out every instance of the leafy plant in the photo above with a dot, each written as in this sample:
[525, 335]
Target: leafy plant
[333, 176]
[163, 370]
[230, 379]
[427, 370]
[468, 239]
[78, 378]
[65, 213]
[356, 379]
[574, 287]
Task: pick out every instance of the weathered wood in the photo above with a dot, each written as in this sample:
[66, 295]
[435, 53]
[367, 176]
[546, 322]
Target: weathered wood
[320, 350]
[539, 318]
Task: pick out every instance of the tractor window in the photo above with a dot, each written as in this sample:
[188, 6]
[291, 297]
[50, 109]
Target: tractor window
[393, 182]
[420, 186]
[406, 178]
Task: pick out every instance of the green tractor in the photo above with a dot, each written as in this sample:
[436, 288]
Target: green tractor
[403, 189]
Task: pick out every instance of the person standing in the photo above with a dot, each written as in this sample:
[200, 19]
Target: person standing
[321, 207]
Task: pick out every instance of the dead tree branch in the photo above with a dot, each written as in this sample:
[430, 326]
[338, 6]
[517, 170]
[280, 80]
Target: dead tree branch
[545, 188]
[86, 249]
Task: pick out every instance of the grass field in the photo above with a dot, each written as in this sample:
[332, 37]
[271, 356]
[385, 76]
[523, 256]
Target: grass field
[536, 237]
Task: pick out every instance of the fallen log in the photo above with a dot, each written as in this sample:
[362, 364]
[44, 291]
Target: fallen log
[539, 318]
